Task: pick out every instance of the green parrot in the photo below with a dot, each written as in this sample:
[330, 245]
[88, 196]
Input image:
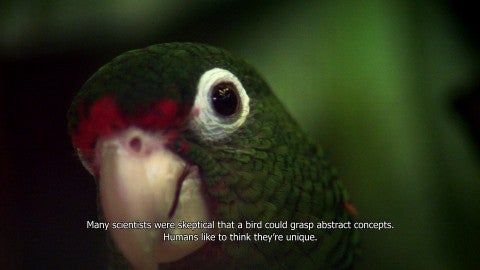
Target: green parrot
[184, 134]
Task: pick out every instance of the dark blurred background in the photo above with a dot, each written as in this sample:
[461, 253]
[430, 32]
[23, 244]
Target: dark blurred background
[390, 89]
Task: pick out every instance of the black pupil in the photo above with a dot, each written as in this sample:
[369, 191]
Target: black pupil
[224, 99]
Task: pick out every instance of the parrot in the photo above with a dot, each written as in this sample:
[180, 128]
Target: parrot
[190, 137]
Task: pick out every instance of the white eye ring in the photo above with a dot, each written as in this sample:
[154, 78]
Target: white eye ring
[205, 119]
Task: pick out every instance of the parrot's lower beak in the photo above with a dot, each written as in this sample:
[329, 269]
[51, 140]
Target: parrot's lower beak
[142, 184]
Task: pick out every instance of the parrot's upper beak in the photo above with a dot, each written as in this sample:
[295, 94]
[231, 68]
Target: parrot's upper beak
[140, 180]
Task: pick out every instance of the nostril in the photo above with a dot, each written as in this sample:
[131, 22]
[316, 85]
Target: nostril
[136, 144]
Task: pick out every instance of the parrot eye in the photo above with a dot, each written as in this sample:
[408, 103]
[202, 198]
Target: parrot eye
[221, 104]
[224, 99]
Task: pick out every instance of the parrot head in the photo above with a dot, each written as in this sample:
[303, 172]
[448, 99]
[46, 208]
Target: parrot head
[159, 127]
[187, 132]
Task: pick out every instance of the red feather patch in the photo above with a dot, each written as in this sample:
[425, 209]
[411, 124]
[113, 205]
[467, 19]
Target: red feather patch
[106, 118]
[103, 119]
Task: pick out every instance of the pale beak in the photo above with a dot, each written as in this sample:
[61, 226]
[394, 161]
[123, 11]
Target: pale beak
[140, 180]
